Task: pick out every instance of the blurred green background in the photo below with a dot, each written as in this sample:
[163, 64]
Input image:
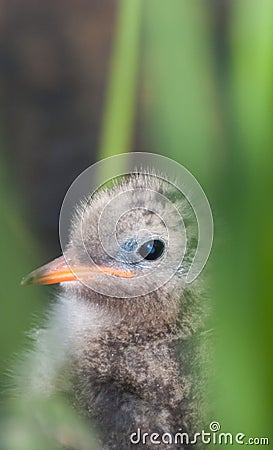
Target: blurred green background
[188, 79]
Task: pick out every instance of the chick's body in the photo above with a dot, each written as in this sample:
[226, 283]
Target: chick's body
[131, 363]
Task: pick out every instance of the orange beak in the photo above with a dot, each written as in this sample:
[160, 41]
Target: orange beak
[58, 271]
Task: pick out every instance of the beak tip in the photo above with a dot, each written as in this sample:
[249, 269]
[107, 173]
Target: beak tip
[26, 280]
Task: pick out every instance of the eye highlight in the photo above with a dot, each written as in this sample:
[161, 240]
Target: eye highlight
[152, 249]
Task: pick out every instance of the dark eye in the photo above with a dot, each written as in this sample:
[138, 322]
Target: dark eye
[152, 250]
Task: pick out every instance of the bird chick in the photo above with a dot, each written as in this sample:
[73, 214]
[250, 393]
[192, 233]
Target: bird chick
[124, 337]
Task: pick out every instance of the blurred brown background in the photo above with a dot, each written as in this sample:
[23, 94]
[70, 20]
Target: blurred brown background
[54, 59]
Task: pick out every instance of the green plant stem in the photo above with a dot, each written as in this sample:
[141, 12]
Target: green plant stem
[118, 117]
